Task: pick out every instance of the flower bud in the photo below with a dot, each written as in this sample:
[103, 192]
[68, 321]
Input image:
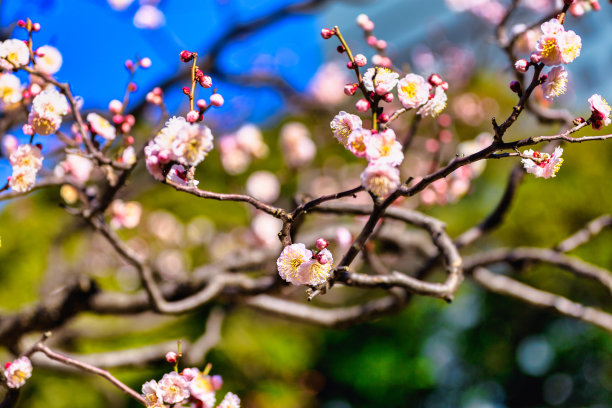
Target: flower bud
[192, 116]
[383, 118]
[115, 106]
[362, 19]
[362, 105]
[205, 81]
[132, 87]
[129, 64]
[444, 86]
[515, 86]
[371, 40]
[521, 65]
[186, 56]
[350, 89]
[535, 58]
[435, 79]
[117, 119]
[326, 33]
[145, 62]
[340, 49]
[216, 382]
[171, 357]
[381, 44]
[595, 4]
[368, 25]
[36, 27]
[578, 121]
[186, 90]
[216, 100]
[350, 65]
[201, 103]
[21, 23]
[388, 97]
[360, 60]
[322, 259]
[321, 243]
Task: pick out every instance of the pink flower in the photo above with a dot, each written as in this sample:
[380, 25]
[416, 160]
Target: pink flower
[381, 83]
[600, 112]
[75, 166]
[230, 401]
[233, 159]
[125, 215]
[27, 155]
[201, 388]
[22, 179]
[435, 105]
[17, 372]
[570, 46]
[555, 84]
[542, 164]
[290, 260]
[297, 146]
[263, 185]
[380, 179]
[383, 148]
[101, 126]
[343, 124]
[314, 271]
[152, 394]
[250, 139]
[326, 85]
[9, 144]
[174, 388]
[192, 144]
[153, 161]
[413, 91]
[358, 141]
[557, 46]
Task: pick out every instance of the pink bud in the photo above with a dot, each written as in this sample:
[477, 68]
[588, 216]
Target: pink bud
[186, 90]
[362, 19]
[388, 97]
[377, 59]
[360, 60]
[444, 86]
[515, 86]
[26, 94]
[21, 23]
[186, 56]
[535, 58]
[216, 382]
[350, 89]
[321, 243]
[577, 9]
[145, 62]
[435, 79]
[381, 44]
[340, 49]
[158, 91]
[383, 118]
[129, 64]
[381, 90]
[130, 120]
[115, 106]
[596, 5]
[171, 357]
[371, 40]
[385, 62]
[521, 65]
[129, 140]
[368, 25]
[132, 87]
[27, 130]
[36, 27]
[35, 89]
[125, 127]
[216, 100]
[117, 119]
[362, 105]
[192, 116]
[326, 33]
[201, 103]
[322, 259]
[350, 65]
[205, 81]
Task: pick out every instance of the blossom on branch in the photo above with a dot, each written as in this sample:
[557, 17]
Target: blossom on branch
[380, 179]
[434, 106]
[557, 46]
[27, 155]
[555, 84]
[343, 125]
[48, 108]
[413, 91]
[542, 164]
[174, 388]
[297, 146]
[290, 260]
[101, 126]
[10, 91]
[17, 372]
[600, 112]
[381, 83]
[48, 60]
[358, 141]
[384, 148]
[13, 53]
[152, 394]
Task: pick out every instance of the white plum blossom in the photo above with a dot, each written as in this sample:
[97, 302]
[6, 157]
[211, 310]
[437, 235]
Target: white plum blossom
[152, 394]
[290, 260]
[192, 144]
[413, 91]
[380, 179]
[174, 388]
[600, 111]
[125, 215]
[48, 108]
[10, 90]
[75, 166]
[542, 164]
[555, 84]
[384, 81]
[297, 146]
[17, 372]
[201, 387]
[128, 156]
[358, 141]
[435, 105]
[27, 155]
[343, 125]
[557, 46]
[48, 60]
[13, 53]
[22, 179]
[230, 401]
[101, 126]
[384, 148]
[313, 272]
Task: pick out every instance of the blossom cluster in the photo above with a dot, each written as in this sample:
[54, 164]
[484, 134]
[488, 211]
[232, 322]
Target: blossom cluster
[48, 108]
[191, 387]
[301, 266]
[542, 164]
[26, 161]
[17, 372]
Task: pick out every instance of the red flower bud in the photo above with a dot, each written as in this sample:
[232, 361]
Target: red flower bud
[321, 243]
[326, 33]
[350, 89]
[186, 56]
[186, 90]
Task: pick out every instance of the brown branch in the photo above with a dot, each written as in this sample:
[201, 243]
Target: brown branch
[585, 234]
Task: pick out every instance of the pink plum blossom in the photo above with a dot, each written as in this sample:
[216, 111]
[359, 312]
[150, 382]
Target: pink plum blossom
[48, 60]
[152, 394]
[542, 164]
[413, 91]
[125, 215]
[555, 84]
[297, 146]
[343, 124]
[9, 145]
[358, 141]
[75, 166]
[380, 179]
[202, 389]
[384, 148]
[17, 372]
[314, 272]
[290, 260]
[233, 159]
[179, 175]
[384, 81]
[326, 85]
[250, 139]
[230, 401]
[174, 388]
[27, 155]
[263, 185]
[600, 112]
[192, 144]
[101, 126]
[435, 105]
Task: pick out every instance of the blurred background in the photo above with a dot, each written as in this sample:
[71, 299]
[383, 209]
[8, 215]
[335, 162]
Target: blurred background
[275, 71]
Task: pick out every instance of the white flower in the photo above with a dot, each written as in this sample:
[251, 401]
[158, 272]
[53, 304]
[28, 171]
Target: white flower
[129, 155]
[384, 148]
[413, 91]
[17, 372]
[290, 260]
[543, 164]
[380, 179]
[152, 394]
[101, 126]
[13, 52]
[201, 388]
[434, 106]
[555, 84]
[23, 179]
[149, 17]
[384, 81]
[343, 125]
[10, 90]
[51, 60]
[75, 166]
[174, 388]
[192, 144]
[27, 155]
[47, 110]
[230, 401]
[313, 272]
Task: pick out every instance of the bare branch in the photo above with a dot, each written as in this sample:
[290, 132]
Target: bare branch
[585, 234]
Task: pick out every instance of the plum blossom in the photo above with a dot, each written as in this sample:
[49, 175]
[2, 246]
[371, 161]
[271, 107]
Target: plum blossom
[202, 388]
[542, 164]
[174, 388]
[555, 84]
[101, 126]
[125, 215]
[290, 260]
[297, 146]
[570, 46]
[315, 271]
[27, 155]
[413, 91]
[13, 52]
[600, 112]
[10, 90]
[435, 105]
[152, 394]
[358, 141]
[384, 81]
[48, 108]
[230, 401]
[48, 60]
[250, 139]
[384, 148]
[17, 372]
[557, 46]
[9, 144]
[179, 175]
[128, 156]
[192, 144]
[149, 17]
[22, 179]
[343, 125]
[380, 179]
[75, 166]
[265, 230]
